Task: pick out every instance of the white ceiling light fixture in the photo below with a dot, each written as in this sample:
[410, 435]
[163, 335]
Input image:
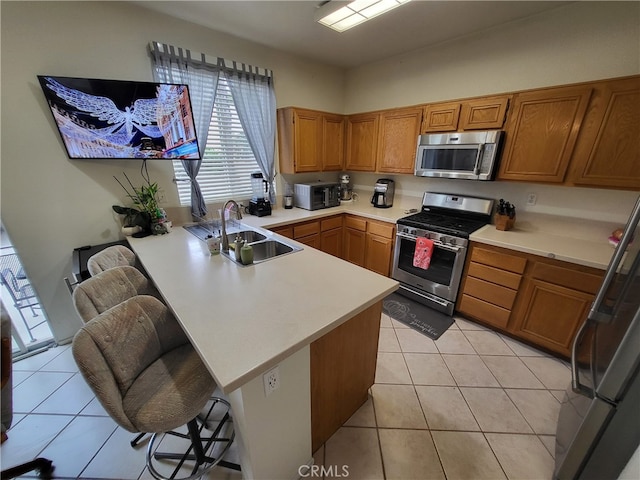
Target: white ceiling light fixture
[341, 17]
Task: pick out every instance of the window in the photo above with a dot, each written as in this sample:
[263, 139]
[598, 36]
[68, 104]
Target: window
[227, 161]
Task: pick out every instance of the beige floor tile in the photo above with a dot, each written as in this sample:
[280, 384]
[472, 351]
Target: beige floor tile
[84, 436]
[487, 343]
[415, 342]
[511, 372]
[409, 455]
[385, 321]
[553, 373]
[29, 436]
[391, 368]
[539, 408]
[428, 369]
[470, 371]
[467, 456]
[549, 442]
[454, 341]
[397, 324]
[354, 453]
[464, 324]
[446, 409]
[397, 406]
[36, 389]
[72, 397]
[494, 411]
[521, 349]
[559, 394]
[388, 341]
[116, 459]
[36, 362]
[61, 363]
[522, 456]
[364, 416]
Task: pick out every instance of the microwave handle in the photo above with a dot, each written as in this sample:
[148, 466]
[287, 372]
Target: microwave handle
[326, 196]
[476, 167]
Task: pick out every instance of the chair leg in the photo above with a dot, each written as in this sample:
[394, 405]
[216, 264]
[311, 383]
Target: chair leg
[135, 441]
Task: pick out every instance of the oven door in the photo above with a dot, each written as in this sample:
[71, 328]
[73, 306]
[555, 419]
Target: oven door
[441, 279]
[449, 161]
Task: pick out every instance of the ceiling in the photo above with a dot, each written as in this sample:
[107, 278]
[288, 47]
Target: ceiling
[289, 26]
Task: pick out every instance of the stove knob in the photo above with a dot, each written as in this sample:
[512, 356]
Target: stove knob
[452, 241]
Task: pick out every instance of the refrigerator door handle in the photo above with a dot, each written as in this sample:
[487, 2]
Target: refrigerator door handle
[575, 371]
[595, 313]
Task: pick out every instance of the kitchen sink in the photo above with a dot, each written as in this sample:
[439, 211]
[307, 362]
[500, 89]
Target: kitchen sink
[248, 236]
[265, 246]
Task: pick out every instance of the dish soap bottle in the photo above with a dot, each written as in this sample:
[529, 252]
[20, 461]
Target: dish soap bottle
[214, 244]
[246, 254]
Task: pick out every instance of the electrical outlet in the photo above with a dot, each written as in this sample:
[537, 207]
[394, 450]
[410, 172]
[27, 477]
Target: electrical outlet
[531, 199]
[271, 381]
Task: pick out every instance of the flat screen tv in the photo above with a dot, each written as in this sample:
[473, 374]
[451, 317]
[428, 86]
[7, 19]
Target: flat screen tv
[122, 119]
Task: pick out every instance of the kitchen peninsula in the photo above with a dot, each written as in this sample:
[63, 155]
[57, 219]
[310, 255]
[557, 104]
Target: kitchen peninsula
[299, 312]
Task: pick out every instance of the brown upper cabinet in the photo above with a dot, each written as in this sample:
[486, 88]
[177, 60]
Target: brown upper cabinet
[607, 153]
[541, 133]
[399, 130]
[310, 141]
[362, 142]
[485, 113]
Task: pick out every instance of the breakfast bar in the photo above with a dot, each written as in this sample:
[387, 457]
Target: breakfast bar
[293, 312]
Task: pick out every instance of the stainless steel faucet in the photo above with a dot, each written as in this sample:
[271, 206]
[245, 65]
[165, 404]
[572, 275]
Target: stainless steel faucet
[224, 245]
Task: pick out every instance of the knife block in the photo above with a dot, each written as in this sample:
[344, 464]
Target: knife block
[504, 222]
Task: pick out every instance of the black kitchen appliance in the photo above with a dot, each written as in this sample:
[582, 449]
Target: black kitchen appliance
[383, 192]
[446, 220]
[259, 205]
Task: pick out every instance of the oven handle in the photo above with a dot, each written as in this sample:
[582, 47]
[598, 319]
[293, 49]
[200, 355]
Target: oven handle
[440, 245]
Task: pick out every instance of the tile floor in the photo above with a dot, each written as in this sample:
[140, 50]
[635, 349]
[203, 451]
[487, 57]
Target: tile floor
[471, 405]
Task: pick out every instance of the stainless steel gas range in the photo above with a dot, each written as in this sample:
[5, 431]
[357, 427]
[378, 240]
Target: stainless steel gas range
[447, 221]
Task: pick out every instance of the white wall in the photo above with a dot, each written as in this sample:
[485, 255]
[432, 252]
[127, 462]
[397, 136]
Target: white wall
[51, 204]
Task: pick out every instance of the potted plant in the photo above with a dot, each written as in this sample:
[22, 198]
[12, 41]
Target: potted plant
[145, 212]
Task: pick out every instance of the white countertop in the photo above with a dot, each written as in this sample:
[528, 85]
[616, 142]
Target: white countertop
[581, 241]
[245, 320]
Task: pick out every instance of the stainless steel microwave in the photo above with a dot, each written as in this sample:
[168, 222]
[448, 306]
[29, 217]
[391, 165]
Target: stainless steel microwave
[316, 195]
[465, 155]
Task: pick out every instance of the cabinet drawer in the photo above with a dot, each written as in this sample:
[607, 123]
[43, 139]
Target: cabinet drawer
[331, 223]
[484, 311]
[306, 229]
[495, 294]
[381, 229]
[356, 223]
[503, 261]
[495, 275]
[567, 277]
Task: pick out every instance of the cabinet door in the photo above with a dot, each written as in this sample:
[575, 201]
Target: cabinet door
[311, 240]
[286, 231]
[541, 133]
[483, 113]
[399, 130]
[333, 133]
[362, 142]
[331, 242]
[378, 254]
[353, 247]
[441, 117]
[608, 150]
[308, 141]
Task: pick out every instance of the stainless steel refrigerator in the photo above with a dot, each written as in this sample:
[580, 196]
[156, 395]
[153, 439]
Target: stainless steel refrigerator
[599, 422]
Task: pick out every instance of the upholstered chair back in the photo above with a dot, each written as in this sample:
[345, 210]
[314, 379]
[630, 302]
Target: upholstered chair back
[114, 256]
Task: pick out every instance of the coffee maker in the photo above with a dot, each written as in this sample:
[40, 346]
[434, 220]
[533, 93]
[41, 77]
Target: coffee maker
[383, 193]
[259, 205]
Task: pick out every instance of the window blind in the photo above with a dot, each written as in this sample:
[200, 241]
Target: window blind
[227, 162]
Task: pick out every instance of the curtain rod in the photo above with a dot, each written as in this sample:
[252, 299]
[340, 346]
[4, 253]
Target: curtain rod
[169, 52]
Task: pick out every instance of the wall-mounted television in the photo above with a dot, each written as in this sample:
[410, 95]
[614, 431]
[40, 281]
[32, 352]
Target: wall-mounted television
[120, 119]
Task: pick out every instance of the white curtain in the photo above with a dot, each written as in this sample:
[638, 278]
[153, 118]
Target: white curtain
[175, 65]
[255, 101]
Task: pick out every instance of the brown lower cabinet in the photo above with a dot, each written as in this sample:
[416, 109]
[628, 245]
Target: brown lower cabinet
[537, 299]
[343, 368]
